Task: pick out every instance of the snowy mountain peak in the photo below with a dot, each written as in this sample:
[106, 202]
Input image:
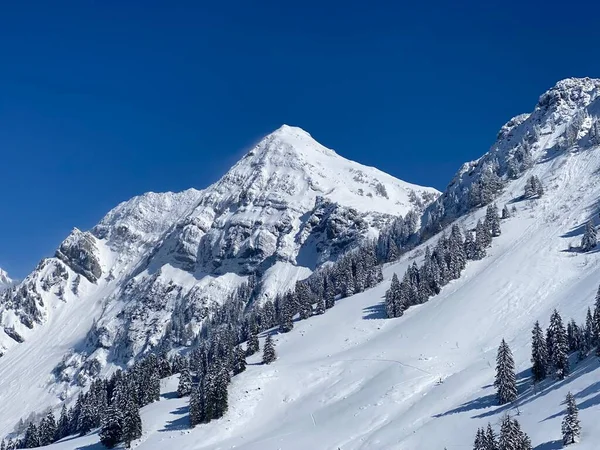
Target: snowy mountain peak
[569, 94]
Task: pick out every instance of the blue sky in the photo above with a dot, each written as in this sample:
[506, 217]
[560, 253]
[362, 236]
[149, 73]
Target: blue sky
[103, 100]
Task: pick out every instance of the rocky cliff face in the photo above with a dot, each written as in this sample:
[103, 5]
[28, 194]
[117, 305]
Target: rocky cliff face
[287, 207]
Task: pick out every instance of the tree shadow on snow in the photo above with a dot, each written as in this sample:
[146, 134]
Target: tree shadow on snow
[527, 392]
[592, 389]
[550, 445]
[489, 400]
[180, 423]
[170, 395]
[94, 446]
[374, 312]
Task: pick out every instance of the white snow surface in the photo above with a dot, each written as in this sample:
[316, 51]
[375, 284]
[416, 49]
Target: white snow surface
[351, 379]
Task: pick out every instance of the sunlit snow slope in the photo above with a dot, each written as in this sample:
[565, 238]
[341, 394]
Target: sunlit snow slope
[351, 379]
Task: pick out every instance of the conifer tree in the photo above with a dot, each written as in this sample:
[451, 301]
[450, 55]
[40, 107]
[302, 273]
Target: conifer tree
[490, 438]
[391, 298]
[269, 351]
[558, 347]
[112, 432]
[479, 443]
[47, 429]
[31, 439]
[197, 409]
[492, 220]
[320, 306]
[589, 240]
[505, 383]
[253, 345]
[481, 240]
[185, 382]
[132, 423]
[505, 212]
[239, 360]
[539, 354]
[62, 428]
[571, 429]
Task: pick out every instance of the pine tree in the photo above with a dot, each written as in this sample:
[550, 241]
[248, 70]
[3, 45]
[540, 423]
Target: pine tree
[185, 382]
[269, 351]
[479, 443]
[62, 429]
[132, 422]
[47, 429]
[539, 354]
[320, 306]
[589, 240]
[392, 296]
[481, 240]
[558, 347]
[86, 417]
[239, 360]
[253, 345]
[505, 383]
[571, 429]
[197, 408]
[491, 442]
[505, 212]
[112, 432]
[492, 220]
[31, 439]
[596, 327]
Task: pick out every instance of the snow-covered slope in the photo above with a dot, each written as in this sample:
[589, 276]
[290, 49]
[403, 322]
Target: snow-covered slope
[351, 379]
[112, 293]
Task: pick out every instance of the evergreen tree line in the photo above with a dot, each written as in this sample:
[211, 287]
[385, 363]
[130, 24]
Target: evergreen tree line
[353, 273]
[550, 351]
[445, 263]
[114, 401]
[511, 437]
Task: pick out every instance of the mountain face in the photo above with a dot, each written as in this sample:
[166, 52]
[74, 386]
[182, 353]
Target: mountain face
[564, 119]
[351, 378]
[159, 261]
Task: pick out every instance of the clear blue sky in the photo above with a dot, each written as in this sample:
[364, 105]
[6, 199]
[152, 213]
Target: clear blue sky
[103, 100]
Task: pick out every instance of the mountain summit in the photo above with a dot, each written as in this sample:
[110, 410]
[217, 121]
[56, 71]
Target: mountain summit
[147, 274]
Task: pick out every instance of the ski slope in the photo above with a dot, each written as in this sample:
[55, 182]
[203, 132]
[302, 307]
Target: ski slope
[351, 379]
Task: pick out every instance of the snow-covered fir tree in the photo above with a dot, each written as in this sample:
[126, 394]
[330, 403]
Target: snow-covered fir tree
[184, 387]
[132, 422]
[557, 346]
[511, 436]
[479, 443]
[589, 239]
[269, 351]
[491, 442]
[197, 407]
[571, 428]
[539, 354]
[505, 382]
[47, 429]
[32, 438]
[239, 360]
[533, 187]
[505, 212]
[492, 220]
[112, 432]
